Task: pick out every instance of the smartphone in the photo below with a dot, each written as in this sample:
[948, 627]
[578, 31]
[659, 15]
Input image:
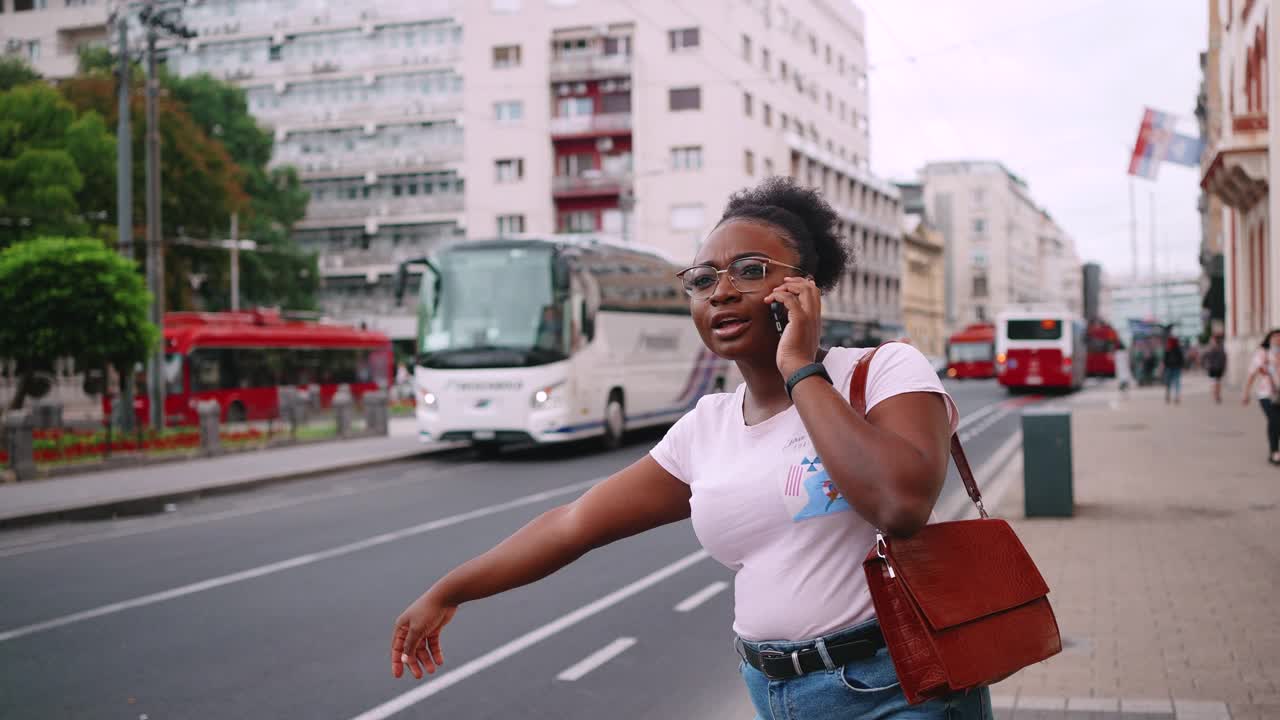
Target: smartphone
[779, 315]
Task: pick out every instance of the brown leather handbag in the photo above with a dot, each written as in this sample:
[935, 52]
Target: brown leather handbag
[960, 604]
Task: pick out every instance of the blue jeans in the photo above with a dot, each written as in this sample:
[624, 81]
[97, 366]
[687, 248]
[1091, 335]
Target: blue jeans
[1173, 381]
[862, 689]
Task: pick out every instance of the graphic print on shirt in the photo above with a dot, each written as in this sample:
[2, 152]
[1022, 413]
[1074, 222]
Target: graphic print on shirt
[809, 491]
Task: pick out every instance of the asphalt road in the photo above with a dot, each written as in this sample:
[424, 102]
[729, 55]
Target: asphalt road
[279, 602]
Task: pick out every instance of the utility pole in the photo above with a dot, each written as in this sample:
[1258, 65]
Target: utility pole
[235, 262]
[122, 409]
[124, 148]
[155, 254]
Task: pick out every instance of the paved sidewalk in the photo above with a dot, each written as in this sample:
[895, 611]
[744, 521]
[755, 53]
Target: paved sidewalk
[127, 489]
[1165, 580]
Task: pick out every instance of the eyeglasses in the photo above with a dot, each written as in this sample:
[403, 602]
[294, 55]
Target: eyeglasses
[745, 274]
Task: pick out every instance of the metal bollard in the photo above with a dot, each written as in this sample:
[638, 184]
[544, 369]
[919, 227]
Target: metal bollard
[376, 412]
[48, 414]
[1046, 462]
[342, 410]
[18, 427]
[209, 412]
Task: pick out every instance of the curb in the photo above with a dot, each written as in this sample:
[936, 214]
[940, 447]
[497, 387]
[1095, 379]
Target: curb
[151, 503]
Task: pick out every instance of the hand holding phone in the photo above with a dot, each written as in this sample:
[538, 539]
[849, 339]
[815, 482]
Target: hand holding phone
[779, 312]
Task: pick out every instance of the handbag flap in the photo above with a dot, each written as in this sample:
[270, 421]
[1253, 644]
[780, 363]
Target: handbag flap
[961, 571]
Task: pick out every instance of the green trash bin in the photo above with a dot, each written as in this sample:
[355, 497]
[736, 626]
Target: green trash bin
[1046, 462]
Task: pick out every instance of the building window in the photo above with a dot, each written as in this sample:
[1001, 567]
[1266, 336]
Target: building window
[574, 165]
[828, 55]
[766, 61]
[25, 5]
[979, 286]
[840, 64]
[979, 226]
[749, 162]
[979, 196]
[574, 106]
[688, 157]
[829, 102]
[578, 221]
[768, 115]
[505, 6]
[510, 225]
[747, 104]
[509, 170]
[683, 39]
[508, 111]
[782, 68]
[33, 50]
[813, 44]
[687, 217]
[746, 48]
[685, 99]
[615, 102]
[784, 121]
[979, 257]
[768, 167]
[506, 56]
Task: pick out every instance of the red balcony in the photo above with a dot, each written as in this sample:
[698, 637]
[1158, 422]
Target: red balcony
[592, 183]
[591, 125]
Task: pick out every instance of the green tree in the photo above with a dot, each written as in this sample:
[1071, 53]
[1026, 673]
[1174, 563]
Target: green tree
[71, 297]
[15, 72]
[56, 168]
[280, 273]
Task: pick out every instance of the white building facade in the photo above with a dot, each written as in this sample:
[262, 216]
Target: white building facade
[1002, 248]
[48, 34]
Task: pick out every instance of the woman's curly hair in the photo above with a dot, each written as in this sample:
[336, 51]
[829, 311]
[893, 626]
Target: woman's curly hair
[804, 219]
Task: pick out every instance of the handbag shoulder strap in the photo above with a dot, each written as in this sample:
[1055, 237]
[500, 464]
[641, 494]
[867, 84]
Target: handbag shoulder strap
[858, 399]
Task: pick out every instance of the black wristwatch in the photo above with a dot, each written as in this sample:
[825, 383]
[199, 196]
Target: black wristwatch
[808, 371]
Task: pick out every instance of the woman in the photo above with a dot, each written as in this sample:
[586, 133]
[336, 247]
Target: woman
[784, 482]
[1262, 379]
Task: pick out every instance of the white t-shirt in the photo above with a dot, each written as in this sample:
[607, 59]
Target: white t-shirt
[763, 505]
[1264, 384]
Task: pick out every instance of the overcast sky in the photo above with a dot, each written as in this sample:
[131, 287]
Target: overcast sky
[1055, 91]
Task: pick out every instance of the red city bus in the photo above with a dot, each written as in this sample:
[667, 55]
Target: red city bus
[241, 359]
[971, 353]
[1101, 342]
[1040, 349]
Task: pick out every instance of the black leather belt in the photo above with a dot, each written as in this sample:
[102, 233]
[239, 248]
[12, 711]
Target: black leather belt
[777, 665]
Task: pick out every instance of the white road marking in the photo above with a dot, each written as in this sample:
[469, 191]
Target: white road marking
[289, 564]
[27, 543]
[703, 595]
[448, 679]
[596, 659]
[966, 420]
[959, 504]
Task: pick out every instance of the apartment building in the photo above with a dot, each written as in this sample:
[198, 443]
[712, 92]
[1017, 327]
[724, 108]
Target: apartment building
[639, 120]
[1001, 247]
[48, 34]
[366, 100]
[923, 274]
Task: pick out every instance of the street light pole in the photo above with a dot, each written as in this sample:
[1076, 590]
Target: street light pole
[155, 253]
[124, 149]
[235, 262]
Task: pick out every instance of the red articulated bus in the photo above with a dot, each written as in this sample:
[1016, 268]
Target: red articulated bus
[241, 359]
[1101, 342]
[1040, 348]
[971, 353]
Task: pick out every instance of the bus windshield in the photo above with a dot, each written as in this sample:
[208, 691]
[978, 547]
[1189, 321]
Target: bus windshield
[492, 307]
[971, 352]
[1035, 330]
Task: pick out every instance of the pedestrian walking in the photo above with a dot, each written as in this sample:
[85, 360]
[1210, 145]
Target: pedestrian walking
[1174, 360]
[1124, 374]
[784, 482]
[1264, 380]
[1215, 365]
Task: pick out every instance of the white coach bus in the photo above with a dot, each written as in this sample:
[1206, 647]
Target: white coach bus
[549, 340]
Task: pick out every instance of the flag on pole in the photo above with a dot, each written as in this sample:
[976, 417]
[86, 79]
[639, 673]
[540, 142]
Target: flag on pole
[1158, 141]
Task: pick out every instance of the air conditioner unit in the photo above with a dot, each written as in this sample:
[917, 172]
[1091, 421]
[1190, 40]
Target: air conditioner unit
[604, 144]
[563, 89]
[609, 86]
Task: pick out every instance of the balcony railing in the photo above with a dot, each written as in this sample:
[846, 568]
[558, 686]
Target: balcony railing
[589, 67]
[595, 183]
[602, 124]
[385, 207]
[381, 161]
[358, 112]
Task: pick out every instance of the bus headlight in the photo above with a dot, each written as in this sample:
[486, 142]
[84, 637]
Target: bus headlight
[547, 397]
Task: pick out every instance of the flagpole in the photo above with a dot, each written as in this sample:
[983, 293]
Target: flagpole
[1155, 281]
[1133, 229]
